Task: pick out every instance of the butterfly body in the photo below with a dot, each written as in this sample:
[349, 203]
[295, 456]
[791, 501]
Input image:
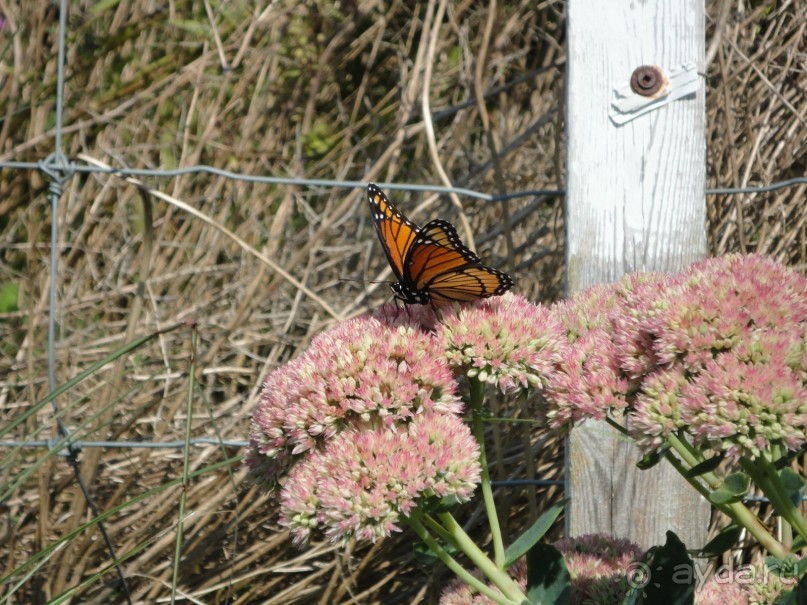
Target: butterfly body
[431, 263]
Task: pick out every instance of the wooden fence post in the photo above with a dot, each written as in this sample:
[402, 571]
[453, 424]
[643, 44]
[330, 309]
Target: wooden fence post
[635, 202]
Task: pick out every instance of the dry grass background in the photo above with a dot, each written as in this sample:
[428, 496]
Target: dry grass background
[284, 89]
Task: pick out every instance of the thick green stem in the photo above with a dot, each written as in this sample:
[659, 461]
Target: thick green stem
[764, 474]
[493, 571]
[617, 426]
[477, 409]
[441, 532]
[682, 469]
[737, 511]
[692, 457]
[462, 573]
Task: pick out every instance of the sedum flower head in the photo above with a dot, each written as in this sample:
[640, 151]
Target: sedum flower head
[643, 298]
[505, 341]
[597, 566]
[719, 351]
[744, 585]
[718, 592]
[728, 337]
[363, 480]
[589, 310]
[744, 408]
[458, 592]
[657, 410]
[718, 302]
[763, 585]
[361, 371]
[587, 382]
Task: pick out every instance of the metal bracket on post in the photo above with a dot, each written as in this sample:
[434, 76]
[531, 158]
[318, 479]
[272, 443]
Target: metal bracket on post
[650, 88]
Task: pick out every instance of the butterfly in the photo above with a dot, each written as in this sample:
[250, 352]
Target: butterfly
[430, 262]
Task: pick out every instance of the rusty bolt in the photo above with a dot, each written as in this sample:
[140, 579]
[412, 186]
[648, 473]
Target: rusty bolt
[647, 80]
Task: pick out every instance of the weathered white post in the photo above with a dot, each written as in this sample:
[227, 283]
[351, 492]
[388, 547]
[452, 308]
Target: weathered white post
[635, 201]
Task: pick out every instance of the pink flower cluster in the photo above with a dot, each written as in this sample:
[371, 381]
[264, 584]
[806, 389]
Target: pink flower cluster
[597, 566]
[588, 381]
[744, 585]
[458, 592]
[364, 479]
[361, 371]
[366, 421]
[505, 341]
[360, 426]
[719, 351]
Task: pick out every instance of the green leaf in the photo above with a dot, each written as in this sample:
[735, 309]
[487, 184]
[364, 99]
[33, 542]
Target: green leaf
[734, 487]
[427, 556]
[794, 485]
[653, 458]
[547, 576]
[789, 567]
[9, 295]
[434, 504]
[801, 567]
[722, 496]
[726, 539]
[531, 536]
[737, 483]
[707, 466]
[672, 578]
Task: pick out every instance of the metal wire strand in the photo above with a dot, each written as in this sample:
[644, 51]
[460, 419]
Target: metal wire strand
[73, 167]
[58, 170]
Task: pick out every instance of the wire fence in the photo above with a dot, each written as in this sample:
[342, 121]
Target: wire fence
[57, 169]
[68, 168]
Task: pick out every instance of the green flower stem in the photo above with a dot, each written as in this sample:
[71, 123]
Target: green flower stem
[432, 524]
[415, 523]
[477, 403]
[682, 469]
[617, 426]
[764, 474]
[495, 573]
[692, 457]
[688, 458]
[736, 511]
[790, 511]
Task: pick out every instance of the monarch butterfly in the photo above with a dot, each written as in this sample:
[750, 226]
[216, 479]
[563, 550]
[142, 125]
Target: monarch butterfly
[430, 262]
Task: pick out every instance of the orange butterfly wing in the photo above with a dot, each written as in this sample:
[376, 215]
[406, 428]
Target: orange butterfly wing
[431, 263]
[442, 265]
[396, 232]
